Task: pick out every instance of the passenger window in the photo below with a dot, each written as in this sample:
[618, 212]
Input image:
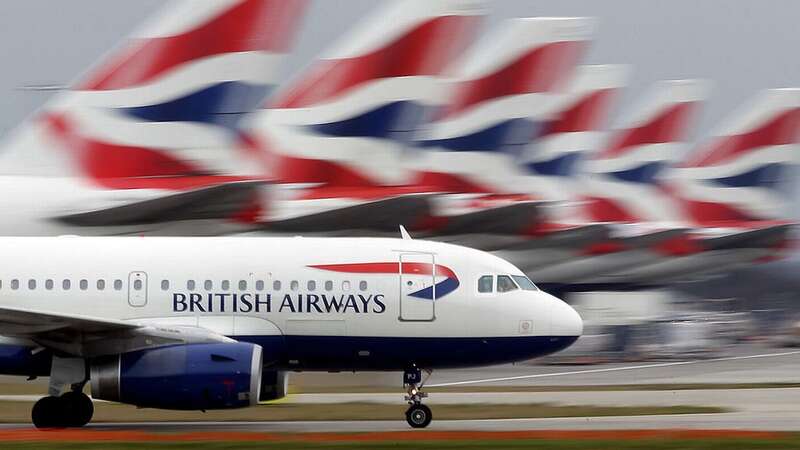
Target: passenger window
[117, 285]
[259, 285]
[101, 285]
[164, 285]
[66, 284]
[276, 285]
[312, 285]
[294, 285]
[190, 285]
[505, 284]
[226, 285]
[329, 285]
[242, 285]
[31, 284]
[48, 284]
[345, 286]
[208, 285]
[362, 285]
[84, 284]
[137, 285]
[485, 284]
[15, 284]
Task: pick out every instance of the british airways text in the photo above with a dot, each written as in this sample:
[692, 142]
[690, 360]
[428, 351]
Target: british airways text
[288, 303]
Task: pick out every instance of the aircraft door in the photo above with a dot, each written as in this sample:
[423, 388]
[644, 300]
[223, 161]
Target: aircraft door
[137, 289]
[417, 287]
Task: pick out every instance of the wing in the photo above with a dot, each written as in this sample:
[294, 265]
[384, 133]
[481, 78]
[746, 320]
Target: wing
[88, 336]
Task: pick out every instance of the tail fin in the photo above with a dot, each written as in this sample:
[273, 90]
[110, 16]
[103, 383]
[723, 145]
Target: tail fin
[502, 96]
[165, 102]
[621, 180]
[354, 107]
[738, 175]
[579, 123]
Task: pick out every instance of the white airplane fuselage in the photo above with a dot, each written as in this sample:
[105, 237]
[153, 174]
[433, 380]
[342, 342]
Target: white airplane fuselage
[311, 303]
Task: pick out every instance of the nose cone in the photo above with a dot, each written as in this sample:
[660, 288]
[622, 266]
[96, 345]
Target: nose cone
[564, 321]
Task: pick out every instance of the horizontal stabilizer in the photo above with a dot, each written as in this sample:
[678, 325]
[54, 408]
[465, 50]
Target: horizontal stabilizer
[382, 214]
[222, 200]
[508, 219]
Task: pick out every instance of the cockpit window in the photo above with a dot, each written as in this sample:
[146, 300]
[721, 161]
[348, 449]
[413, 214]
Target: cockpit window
[485, 284]
[505, 284]
[525, 283]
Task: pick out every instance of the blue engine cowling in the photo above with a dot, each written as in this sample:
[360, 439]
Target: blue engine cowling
[187, 377]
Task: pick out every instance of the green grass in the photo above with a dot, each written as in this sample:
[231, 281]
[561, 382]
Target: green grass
[17, 412]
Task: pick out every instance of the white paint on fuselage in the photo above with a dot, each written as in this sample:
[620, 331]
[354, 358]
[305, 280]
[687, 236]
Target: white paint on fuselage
[461, 313]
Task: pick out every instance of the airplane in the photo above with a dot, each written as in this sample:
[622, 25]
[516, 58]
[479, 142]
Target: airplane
[142, 142]
[730, 194]
[336, 133]
[200, 323]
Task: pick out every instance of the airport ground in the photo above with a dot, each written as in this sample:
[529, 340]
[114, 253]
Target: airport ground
[749, 401]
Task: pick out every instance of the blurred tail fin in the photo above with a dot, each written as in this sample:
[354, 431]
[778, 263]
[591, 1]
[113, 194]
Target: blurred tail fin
[169, 98]
[502, 95]
[739, 175]
[622, 178]
[355, 107]
[577, 127]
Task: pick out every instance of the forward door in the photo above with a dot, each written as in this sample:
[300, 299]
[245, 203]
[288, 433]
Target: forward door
[417, 287]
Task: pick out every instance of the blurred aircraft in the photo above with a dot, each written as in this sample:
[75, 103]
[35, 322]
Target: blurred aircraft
[730, 192]
[501, 97]
[143, 138]
[654, 131]
[337, 134]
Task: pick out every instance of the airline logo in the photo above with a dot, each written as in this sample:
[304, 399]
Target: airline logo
[154, 114]
[440, 289]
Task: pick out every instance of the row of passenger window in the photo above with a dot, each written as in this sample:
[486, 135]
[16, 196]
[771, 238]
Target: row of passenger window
[66, 284]
[191, 285]
[505, 283]
[225, 285]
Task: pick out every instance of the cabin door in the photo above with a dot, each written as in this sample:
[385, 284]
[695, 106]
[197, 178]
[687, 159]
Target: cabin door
[137, 289]
[417, 287]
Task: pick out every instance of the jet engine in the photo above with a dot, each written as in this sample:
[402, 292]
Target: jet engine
[274, 385]
[187, 377]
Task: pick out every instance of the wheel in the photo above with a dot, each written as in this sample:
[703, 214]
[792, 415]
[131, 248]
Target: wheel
[419, 416]
[47, 412]
[78, 409]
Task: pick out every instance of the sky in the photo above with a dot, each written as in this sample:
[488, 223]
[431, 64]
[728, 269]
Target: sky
[741, 45]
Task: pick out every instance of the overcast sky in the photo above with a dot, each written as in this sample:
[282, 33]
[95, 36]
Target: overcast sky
[741, 45]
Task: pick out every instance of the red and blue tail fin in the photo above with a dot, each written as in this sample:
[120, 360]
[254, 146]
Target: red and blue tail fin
[501, 99]
[166, 103]
[739, 175]
[355, 107]
[622, 178]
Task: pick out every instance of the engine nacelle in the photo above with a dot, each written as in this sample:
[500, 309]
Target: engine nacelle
[274, 385]
[188, 377]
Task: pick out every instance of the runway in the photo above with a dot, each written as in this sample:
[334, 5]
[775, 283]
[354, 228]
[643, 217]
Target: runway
[762, 409]
[773, 409]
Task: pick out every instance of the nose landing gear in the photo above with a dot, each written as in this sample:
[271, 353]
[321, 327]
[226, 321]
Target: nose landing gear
[417, 414]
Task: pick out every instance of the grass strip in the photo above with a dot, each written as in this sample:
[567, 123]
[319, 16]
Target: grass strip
[19, 412]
